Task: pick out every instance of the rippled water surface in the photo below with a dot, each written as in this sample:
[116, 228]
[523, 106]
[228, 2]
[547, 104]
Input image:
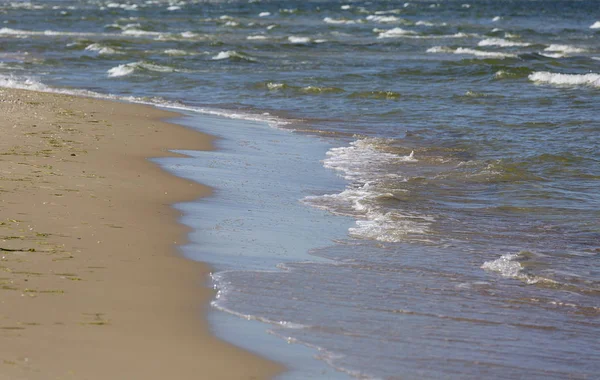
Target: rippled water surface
[429, 180]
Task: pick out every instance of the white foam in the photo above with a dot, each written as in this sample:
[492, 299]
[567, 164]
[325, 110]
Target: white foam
[177, 52]
[595, 25]
[428, 23]
[140, 33]
[231, 54]
[591, 79]
[28, 5]
[101, 49]
[508, 266]
[383, 19]
[129, 68]
[264, 14]
[505, 265]
[390, 11]
[355, 160]
[24, 33]
[188, 34]
[401, 33]
[479, 53]
[565, 49]
[173, 8]
[395, 32]
[389, 227]
[299, 40]
[440, 49]
[329, 20]
[365, 164]
[501, 42]
[275, 86]
[467, 51]
[22, 83]
[224, 55]
[127, 7]
[257, 37]
[553, 55]
[121, 70]
[497, 18]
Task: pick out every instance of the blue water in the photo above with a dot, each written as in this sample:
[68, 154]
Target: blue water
[402, 189]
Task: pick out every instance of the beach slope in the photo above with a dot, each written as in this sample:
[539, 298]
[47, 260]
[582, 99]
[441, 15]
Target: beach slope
[91, 284]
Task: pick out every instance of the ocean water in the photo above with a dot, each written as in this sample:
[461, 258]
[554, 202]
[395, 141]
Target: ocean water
[402, 189]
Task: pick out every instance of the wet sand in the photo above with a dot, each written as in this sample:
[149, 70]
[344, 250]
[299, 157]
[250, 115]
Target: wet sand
[91, 283]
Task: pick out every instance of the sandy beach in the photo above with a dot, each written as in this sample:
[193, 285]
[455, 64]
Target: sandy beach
[91, 283]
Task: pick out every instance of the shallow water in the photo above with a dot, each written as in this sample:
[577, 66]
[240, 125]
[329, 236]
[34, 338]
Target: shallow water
[416, 194]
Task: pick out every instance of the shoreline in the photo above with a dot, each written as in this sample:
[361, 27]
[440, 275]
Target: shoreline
[92, 285]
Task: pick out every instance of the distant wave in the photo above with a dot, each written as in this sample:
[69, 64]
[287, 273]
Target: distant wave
[20, 32]
[138, 32]
[307, 90]
[382, 95]
[429, 23]
[513, 72]
[178, 52]
[591, 79]
[299, 40]
[130, 68]
[404, 33]
[595, 25]
[232, 55]
[329, 20]
[501, 42]
[564, 49]
[383, 19]
[468, 51]
[101, 49]
[396, 32]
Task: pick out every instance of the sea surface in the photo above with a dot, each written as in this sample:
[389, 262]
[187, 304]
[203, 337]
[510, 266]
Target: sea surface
[403, 190]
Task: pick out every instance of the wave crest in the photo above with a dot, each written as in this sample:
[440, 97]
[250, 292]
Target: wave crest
[130, 68]
[545, 77]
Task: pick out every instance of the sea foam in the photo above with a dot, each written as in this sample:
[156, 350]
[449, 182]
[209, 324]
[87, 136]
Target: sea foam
[468, 51]
[564, 49]
[130, 68]
[501, 42]
[362, 164]
[232, 55]
[329, 20]
[591, 79]
[101, 49]
[509, 266]
[396, 32]
[299, 40]
[383, 19]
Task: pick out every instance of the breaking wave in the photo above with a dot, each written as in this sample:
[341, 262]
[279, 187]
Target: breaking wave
[591, 79]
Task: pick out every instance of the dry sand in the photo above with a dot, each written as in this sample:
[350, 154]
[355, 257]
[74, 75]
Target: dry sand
[91, 284]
